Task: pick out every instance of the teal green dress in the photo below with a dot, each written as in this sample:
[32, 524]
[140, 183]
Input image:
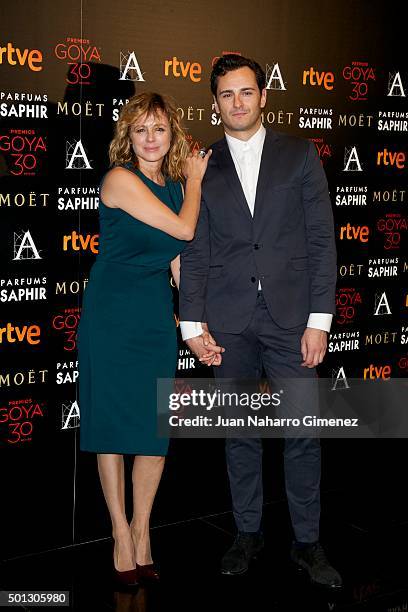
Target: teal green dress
[127, 332]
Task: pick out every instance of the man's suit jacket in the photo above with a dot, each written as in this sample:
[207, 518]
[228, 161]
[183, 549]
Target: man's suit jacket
[288, 244]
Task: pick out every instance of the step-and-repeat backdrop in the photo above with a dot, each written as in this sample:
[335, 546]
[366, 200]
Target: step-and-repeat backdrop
[334, 76]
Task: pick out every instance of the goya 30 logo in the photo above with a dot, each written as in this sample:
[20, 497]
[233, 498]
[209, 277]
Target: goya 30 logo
[23, 149]
[19, 416]
[348, 300]
[359, 75]
[78, 53]
[67, 323]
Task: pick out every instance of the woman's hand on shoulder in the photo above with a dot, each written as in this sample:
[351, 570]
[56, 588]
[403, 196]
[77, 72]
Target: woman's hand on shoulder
[195, 166]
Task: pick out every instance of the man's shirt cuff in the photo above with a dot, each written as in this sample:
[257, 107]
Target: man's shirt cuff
[320, 320]
[190, 329]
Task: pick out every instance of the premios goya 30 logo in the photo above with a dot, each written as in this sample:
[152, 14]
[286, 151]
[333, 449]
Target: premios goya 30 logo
[66, 324]
[323, 149]
[359, 76]
[348, 301]
[17, 420]
[24, 151]
[392, 226]
[79, 54]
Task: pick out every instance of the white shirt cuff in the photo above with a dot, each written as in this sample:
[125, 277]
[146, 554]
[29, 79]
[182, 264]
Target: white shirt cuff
[320, 320]
[190, 329]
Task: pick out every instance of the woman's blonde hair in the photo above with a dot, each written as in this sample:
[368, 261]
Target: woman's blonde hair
[147, 103]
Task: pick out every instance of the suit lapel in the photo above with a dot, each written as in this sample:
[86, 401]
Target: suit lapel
[227, 168]
[268, 167]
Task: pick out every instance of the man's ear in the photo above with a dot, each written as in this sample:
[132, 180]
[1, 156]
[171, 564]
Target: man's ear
[217, 108]
[263, 97]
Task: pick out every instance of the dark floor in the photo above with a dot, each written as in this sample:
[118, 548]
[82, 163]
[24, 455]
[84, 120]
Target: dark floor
[370, 551]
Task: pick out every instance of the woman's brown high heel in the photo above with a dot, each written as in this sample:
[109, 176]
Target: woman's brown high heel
[147, 573]
[128, 578]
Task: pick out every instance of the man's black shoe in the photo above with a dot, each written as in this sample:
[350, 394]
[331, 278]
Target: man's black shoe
[313, 559]
[245, 548]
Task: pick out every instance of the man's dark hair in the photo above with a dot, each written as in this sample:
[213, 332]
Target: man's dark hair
[232, 61]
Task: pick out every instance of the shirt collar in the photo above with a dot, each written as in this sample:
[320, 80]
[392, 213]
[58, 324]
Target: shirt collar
[255, 143]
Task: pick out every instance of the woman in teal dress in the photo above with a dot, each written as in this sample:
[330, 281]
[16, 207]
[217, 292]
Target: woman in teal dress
[127, 332]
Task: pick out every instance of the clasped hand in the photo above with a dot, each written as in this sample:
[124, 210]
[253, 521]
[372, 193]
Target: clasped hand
[205, 348]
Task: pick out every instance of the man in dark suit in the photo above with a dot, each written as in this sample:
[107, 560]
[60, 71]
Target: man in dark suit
[260, 277]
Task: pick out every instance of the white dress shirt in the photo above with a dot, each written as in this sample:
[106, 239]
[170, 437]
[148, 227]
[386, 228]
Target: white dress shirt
[246, 155]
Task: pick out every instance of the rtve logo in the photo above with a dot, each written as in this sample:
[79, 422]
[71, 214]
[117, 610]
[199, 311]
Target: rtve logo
[314, 77]
[354, 232]
[388, 158]
[78, 242]
[13, 333]
[192, 70]
[13, 56]
[373, 372]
